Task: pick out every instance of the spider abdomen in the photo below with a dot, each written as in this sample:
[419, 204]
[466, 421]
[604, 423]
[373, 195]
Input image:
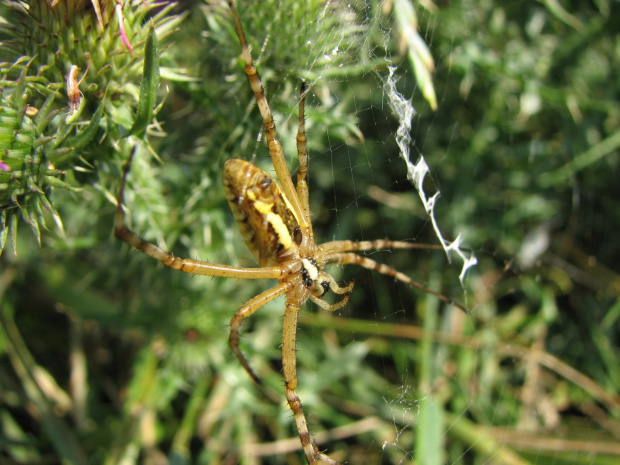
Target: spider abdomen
[263, 214]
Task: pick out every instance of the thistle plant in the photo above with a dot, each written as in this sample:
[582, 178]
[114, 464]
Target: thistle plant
[71, 79]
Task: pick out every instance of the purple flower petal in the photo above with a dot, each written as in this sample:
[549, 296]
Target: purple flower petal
[121, 26]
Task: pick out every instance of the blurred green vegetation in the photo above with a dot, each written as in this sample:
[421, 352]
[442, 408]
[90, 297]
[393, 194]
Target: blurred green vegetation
[108, 357]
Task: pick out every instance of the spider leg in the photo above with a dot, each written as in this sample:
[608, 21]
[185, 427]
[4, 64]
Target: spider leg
[302, 154]
[294, 299]
[336, 289]
[329, 307]
[348, 246]
[354, 259]
[248, 308]
[275, 148]
[183, 264]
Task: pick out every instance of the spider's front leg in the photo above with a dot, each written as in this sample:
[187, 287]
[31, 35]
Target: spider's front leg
[294, 299]
[345, 258]
[248, 309]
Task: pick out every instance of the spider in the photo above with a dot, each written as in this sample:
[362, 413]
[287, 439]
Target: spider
[274, 220]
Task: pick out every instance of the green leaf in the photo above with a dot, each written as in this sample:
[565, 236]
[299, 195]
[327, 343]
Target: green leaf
[429, 433]
[79, 141]
[150, 84]
[4, 229]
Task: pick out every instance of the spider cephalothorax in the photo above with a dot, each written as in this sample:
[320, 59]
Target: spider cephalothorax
[270, 228]
[275, 223]
[316, 280]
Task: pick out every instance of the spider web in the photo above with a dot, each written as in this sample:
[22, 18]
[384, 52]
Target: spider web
[458, 398]
[351, 157]
[510, 109]
[397, 377]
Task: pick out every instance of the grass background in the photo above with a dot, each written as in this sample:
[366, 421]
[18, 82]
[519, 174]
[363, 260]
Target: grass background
[107, 357]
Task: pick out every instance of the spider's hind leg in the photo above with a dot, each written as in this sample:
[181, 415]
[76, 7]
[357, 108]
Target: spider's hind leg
[302, 156]
[273, 144]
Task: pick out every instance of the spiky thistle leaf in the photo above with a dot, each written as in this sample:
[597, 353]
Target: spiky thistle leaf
[71, 73]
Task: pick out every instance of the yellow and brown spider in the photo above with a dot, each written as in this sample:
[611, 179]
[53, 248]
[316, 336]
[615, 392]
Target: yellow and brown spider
[275, 223]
